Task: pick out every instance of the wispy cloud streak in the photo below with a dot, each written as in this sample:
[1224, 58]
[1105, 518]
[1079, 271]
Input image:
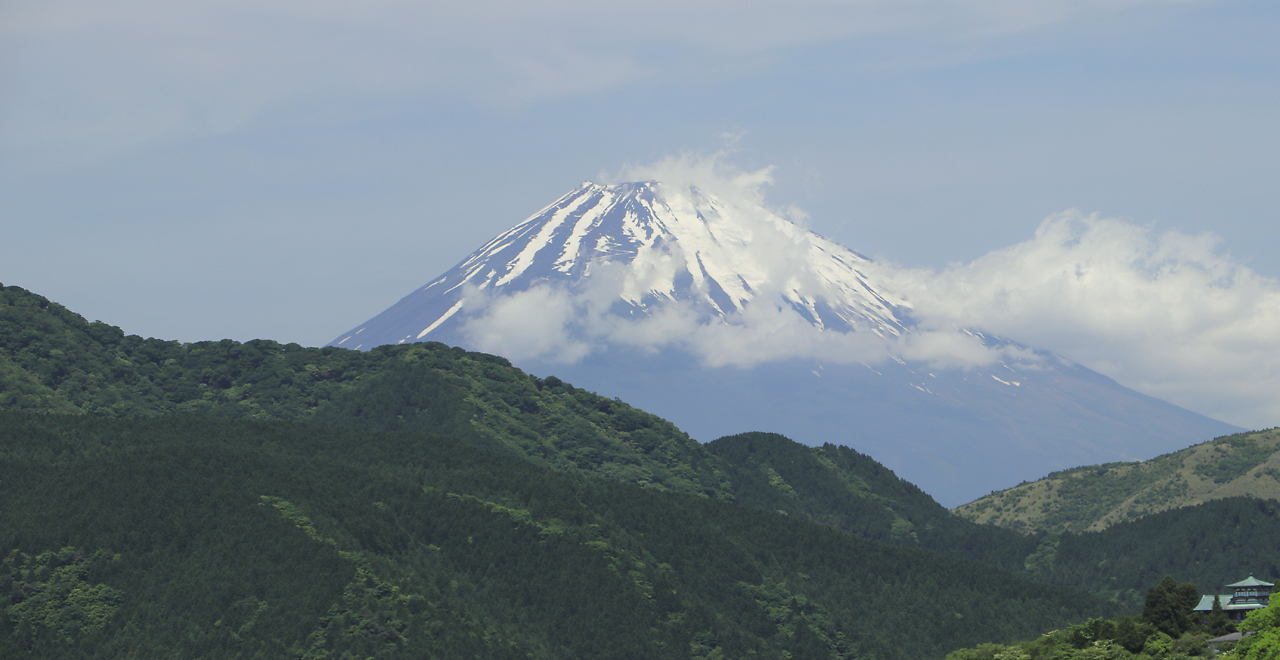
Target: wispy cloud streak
[102, 78]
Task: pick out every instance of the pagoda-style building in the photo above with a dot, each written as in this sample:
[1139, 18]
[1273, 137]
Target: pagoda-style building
[1250, 594]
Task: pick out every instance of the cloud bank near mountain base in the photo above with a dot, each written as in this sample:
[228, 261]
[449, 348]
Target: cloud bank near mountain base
[563, 325]
[1165, 313]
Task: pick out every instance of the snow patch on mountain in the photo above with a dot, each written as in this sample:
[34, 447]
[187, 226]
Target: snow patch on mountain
[654, 266]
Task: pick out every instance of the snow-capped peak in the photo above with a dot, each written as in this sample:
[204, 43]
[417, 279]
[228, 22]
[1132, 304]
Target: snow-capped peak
[661, 244]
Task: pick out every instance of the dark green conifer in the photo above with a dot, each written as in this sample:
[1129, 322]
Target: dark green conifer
[1169, 607]
[1132, 634]
[1218, 624]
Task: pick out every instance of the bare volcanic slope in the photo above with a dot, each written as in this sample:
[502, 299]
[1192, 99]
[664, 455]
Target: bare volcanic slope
[724, 317]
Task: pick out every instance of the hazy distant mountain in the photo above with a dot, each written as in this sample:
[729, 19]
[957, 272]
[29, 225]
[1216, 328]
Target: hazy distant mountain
[724, 317]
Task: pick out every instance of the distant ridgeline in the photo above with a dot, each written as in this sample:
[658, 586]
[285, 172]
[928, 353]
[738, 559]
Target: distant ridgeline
[1095, 497]
[429, 533]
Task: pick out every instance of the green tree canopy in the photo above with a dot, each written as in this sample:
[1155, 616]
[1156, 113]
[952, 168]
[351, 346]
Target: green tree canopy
[1169, 607]
[1265, 643]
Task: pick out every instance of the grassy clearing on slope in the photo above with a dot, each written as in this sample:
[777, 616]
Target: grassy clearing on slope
[1095, 497]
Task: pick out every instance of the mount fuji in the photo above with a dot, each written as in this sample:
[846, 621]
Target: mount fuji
[722, 316]
[689, 248]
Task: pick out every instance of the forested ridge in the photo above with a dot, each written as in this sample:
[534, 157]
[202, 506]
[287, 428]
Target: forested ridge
[86, 401]
[53, 360]
[188, 536]
[1212, 544]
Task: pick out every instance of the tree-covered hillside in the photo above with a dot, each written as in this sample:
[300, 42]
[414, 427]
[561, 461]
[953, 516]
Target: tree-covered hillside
[844, 489]
[1167, 629]
[1210, 544]
[1095, 497]
[188, 536]
[53, 361]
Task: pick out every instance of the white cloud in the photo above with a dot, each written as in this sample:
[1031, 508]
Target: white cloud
[767, 332]
[714, 173]
[534, 323]
[563, 325]
[1164, 313]
[953, 349]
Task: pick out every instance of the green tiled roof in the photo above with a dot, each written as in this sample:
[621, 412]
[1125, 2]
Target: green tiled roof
[1251, 582]
[1206, 603]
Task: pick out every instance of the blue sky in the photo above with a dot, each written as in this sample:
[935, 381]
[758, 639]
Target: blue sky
[286, 170]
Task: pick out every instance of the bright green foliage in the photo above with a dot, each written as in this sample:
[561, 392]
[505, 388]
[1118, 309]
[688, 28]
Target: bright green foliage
[778, 482]
[369, 609]
[49, 591]
[1167, 630]
[1040, 563]
[1267, 618]
[1264, 644]
[804, 629]
[234, 538]
[1097, 639]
